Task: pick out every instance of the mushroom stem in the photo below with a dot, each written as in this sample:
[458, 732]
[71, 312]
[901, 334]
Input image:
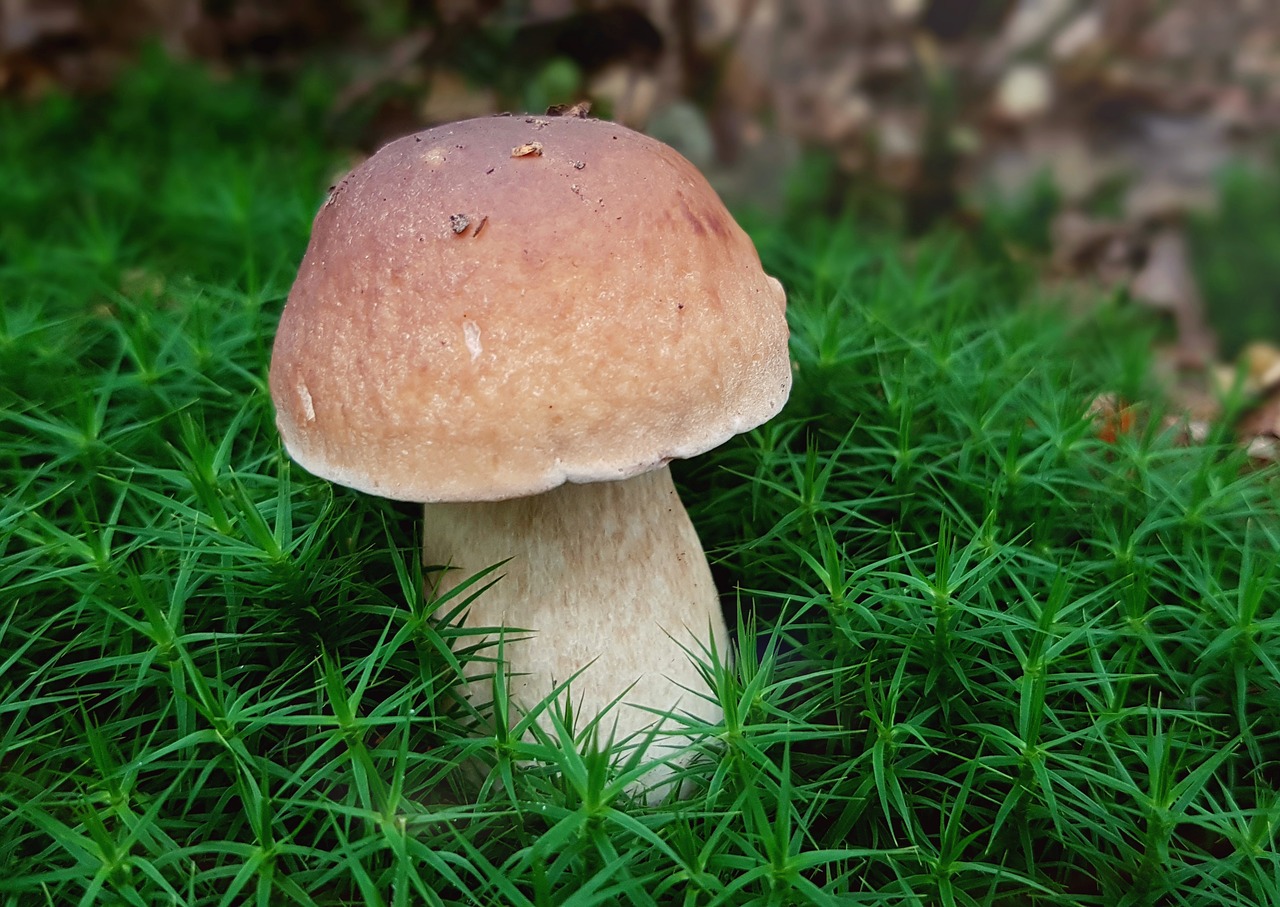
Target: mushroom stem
[608, 577]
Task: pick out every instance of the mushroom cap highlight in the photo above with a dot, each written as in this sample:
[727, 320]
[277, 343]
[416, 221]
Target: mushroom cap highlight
[491, 308]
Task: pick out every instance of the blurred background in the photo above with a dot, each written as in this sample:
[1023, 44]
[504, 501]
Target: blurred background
[1122, 147]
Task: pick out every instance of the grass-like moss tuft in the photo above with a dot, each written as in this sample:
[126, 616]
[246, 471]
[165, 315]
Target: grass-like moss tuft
[985, 656]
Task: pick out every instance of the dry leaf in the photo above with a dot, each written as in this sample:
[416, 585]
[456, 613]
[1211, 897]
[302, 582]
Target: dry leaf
[1166, 282]
[1025, 92]
[1261, 361]
[1111, 416]
[578, 110]
[451, 97]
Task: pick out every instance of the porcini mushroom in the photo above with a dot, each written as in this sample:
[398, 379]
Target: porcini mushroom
[520, 321]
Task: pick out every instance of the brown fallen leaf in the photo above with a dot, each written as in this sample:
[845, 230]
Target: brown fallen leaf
[578, 110]
[1025, 92]
[1261, 361]
[1166, 282]
[1112, 417]
[1085, 246]
[452, 97]
[1258, 429]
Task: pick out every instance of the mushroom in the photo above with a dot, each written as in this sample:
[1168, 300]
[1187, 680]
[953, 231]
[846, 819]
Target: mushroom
[520, 321]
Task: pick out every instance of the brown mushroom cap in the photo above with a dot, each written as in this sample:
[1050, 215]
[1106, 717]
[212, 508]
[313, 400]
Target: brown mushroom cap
[491, 308]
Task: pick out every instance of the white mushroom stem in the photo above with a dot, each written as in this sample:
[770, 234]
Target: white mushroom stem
[608, 577]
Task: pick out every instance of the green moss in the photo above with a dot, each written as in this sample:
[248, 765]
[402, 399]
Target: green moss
[985, 656]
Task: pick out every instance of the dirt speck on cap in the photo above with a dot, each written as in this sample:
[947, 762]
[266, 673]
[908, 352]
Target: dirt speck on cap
[458, 223]
[528, 149]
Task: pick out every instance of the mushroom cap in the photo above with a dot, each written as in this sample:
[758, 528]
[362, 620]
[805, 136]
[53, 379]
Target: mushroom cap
[491, 308]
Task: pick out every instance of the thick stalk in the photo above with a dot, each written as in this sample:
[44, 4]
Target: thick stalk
[608, 577]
